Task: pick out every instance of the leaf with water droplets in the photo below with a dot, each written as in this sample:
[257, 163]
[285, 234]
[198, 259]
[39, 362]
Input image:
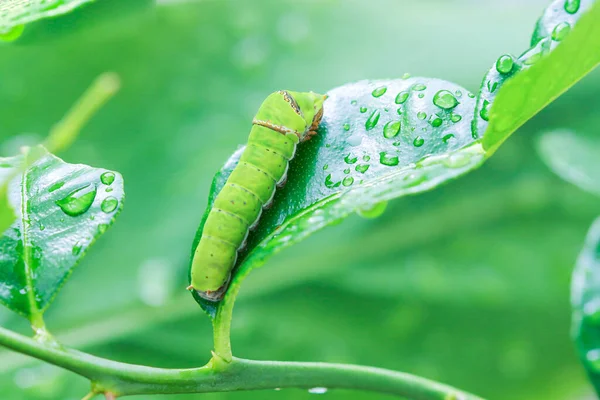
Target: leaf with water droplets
[564, 50]
[60, 213]
[585, 300]
[15, 13]
[575, 158]
[346, 169]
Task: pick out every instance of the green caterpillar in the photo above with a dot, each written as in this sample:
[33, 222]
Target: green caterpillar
[284, 119]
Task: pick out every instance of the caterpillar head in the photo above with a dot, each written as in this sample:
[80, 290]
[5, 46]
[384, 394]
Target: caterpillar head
[310, 107]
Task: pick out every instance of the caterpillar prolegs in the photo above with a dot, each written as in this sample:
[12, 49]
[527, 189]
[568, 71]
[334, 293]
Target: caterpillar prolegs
[283, 120]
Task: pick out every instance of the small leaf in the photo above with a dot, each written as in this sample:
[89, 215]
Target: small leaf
[529, 91]
[60, 214]
[585, 299]
[15, 13]
[574, 158]
[357, 161]
[551, 29]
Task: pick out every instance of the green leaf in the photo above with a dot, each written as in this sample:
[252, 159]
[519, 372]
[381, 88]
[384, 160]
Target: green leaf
[573, 157]
[16, 13]
[61, 210]
[7, 213]
[531, 90]
[371, 148]
[585, 299]
[551, 29]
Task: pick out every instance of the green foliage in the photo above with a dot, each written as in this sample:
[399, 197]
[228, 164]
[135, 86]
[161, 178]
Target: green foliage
[575, 158]
[63, 208]
[16, 13]
[586, 305]
[561, 67]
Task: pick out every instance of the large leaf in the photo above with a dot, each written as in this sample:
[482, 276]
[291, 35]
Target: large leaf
[378, 140]
[15, 13]
[530, 91]
[61, 210]
[551, 29]
[575, 158]
[585, 299]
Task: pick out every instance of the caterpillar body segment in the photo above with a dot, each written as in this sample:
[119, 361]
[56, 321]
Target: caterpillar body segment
[284, 120]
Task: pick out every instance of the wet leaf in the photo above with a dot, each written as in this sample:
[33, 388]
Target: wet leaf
[575, 158]
[370, 149]
[585, 299]
[59, 209]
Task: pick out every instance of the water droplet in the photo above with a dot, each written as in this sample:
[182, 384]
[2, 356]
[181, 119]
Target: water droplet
[421, 115]
[485, 111]
[418, 87]
[363, 110]
[421, 95]
[108, 190]
[593, 357]
[109, 204]
[406, 75]
[471, 95]
[56, 186]
[437, 122]
[444, 99]
[572, 6]
[391, 129]
[42, 227]
[77, 249]
[107, 178]
[348, 181]
[330, 183]
[376, 210]
[78, 201]
[492, 86]
[317, 390]
[455, 118]
[380, 91]
[347, 171]
[373, 120]
[102, 228]
[354, 102]
[561, 31]
[388, 160]
[448, 137]
[418, 142]
[505, 64]
[402, 97]
[349, 159]
[366, 158]
[458, 93]
[591, 310]
[362, 168]
[346, 127]
[325, 167]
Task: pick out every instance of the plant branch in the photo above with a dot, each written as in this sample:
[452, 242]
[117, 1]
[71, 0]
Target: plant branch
[120, 379]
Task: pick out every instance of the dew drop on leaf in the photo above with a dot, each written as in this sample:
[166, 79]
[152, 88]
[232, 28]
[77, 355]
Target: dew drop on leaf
[485, 111]
[362, 168]
[572, 6]
[374, 211]
[418, 142]
[391, 129]
[388, 160]
[380, 91]
[505, 64]
[561, 31]
[346, 127]
[317, 390]
[421, 115]
[401, 98]
[107, 178]
[437, 122]
[109, 204]
[448, 137]
[363, 110]
[102, 228]
[444, 99]
[373, 120]
[455, 118]
[350, 160]
[348, 181]
[419, 87]
[56, 186]
[78, 201]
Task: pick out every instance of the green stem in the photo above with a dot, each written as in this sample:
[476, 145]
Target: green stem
[125, 379]
[65, 131]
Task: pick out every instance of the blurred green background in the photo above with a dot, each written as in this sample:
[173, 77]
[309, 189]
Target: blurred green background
[468, 284]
